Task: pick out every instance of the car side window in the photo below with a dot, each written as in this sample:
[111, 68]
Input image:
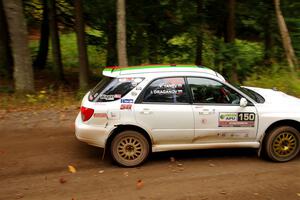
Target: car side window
[206, 90]
[166, 90]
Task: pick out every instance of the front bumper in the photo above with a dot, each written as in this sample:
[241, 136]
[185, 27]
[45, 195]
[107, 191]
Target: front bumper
[92, 134]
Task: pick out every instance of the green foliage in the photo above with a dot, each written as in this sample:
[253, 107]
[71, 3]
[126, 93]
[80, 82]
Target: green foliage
[244, 54]
[216, 54]
[165, 32]
[182, 52]
[69, 51]
[276, 78]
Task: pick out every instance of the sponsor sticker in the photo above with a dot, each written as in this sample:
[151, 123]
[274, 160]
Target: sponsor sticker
[100, 115]
[107, 97]
[125, 79]
[162, 91]
[117, 96]
[126, 100]
[242, 119]
[125, 106]
[133, 93]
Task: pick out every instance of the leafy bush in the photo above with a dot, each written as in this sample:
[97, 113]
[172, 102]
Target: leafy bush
[244, 54]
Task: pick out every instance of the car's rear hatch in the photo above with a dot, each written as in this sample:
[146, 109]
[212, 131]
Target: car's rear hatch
[103, 102]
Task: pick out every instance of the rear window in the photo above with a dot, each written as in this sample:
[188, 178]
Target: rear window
[111, 89]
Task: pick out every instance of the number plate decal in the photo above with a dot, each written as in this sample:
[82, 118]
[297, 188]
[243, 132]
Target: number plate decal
[241, 119]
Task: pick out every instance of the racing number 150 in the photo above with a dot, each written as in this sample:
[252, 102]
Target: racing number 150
[246, 116]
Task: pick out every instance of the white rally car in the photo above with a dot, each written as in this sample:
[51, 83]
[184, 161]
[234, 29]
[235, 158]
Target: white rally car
[137, 110]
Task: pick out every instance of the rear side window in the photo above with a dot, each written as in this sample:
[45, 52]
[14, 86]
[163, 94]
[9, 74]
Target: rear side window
[166, 90]
[111, 89]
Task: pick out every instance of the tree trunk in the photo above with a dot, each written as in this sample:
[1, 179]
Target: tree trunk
[6, 60]
[268, 42]
[230, 22]
[153, 42]
[199, 38]
[81, 44]
[41, 59]
[286, 40]
[56, 53]
[121, 33]
[111, 48]
[230, 34]
[23, 72]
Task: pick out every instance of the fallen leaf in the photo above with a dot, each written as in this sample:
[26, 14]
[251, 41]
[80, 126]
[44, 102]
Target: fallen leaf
[71, 169]
[212, 165]
[139, 184]
[62, 180]
[101, 172]
[179, 165]
[126, 174]
[20, 196]
[172, 159]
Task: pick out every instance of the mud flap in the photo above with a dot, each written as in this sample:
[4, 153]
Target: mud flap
[103, 154]
[259, 151]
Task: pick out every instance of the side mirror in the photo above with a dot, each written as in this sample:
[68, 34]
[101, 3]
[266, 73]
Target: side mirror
[243, 102]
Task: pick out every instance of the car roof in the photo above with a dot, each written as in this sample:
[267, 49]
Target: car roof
[115, 71]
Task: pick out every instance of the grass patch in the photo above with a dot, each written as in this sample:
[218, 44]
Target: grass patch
[282, 80]
[69, 51]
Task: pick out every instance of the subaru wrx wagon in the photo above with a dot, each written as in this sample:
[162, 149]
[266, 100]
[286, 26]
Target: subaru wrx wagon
[134, 111]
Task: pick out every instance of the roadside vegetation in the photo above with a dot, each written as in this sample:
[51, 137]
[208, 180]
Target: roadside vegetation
[249, 47]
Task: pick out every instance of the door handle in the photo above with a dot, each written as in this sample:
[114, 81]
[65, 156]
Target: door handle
[207, 111]
[146, 111]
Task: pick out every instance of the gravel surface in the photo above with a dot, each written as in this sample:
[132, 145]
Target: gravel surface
[39, 152]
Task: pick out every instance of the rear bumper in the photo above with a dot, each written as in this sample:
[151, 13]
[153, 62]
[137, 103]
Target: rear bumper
[92, 134]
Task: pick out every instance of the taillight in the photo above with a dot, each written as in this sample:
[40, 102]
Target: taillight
[86, 113]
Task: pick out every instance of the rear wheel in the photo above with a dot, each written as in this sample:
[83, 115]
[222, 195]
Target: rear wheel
[129, 148]
[282, 144]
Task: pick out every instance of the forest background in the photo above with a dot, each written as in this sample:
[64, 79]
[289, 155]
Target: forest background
[53, 51]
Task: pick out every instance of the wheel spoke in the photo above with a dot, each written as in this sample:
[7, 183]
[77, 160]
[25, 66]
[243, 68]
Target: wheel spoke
[284, 144]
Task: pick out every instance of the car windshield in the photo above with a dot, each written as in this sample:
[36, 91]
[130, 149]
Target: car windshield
[253, 95]
[110, 89]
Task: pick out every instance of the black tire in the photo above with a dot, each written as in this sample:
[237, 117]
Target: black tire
[282, 144]
[129, 148]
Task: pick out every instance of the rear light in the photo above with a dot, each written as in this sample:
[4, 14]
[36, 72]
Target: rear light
[86, 113]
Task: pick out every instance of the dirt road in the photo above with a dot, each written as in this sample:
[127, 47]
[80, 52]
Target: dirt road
[37, 147]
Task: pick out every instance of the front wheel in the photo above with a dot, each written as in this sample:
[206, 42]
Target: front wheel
[282, 144]
[129, 148]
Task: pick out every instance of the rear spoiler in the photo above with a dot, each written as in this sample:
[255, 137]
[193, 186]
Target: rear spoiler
[112, 71]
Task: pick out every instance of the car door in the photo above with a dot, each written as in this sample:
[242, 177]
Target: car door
[218, 114]
[164, 109]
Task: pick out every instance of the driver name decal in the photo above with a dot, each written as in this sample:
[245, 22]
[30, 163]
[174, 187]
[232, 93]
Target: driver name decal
[241, 119]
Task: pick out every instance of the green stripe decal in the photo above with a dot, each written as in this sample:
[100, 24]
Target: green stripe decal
[151, 67]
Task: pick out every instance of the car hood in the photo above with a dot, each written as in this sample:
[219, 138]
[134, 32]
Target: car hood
[276, 97]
